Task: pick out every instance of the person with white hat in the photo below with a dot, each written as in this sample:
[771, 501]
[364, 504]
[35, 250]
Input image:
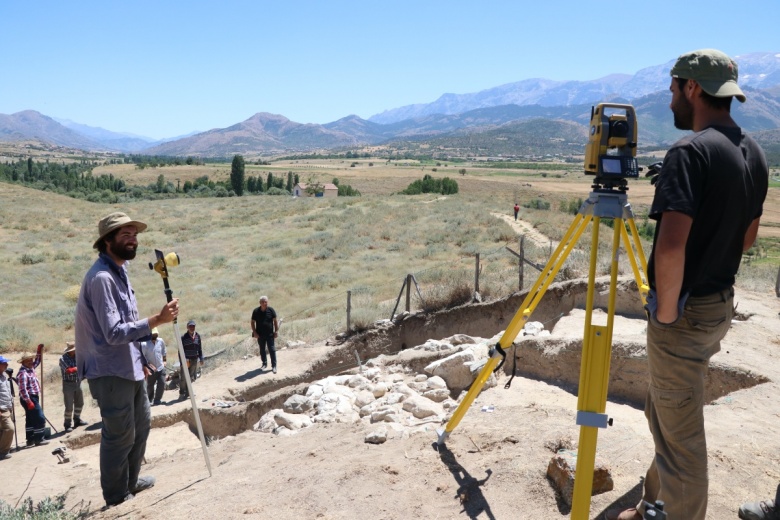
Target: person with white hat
[6, 410]
[108, 335]
[71, 388]
[29, 395]
[156, 356]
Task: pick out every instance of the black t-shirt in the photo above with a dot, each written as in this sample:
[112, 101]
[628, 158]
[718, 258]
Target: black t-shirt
[719, 177]
[264, 320]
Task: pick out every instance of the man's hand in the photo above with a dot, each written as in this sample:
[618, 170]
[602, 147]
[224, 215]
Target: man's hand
[167, 314]
[147, 371]
[40, 349]
[254, 334]
[71, 370]
[29, 404]
[276, 334]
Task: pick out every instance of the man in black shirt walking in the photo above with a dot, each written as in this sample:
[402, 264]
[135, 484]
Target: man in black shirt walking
[265, 328]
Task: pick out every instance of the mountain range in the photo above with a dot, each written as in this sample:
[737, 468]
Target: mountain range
[456, 114]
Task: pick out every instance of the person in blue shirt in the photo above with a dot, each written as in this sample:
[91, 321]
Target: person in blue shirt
[108, 334]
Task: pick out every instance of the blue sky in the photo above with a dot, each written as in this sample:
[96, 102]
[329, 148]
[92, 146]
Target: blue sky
[166, 68]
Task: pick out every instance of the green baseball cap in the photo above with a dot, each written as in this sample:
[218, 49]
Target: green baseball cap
[712, 69]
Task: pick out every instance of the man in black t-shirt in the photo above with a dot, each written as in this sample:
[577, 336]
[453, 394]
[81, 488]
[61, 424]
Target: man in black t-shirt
[265, 328]
[708, 204]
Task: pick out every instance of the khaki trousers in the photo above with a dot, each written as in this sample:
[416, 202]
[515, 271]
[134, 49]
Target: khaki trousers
[6, 431]
[678, 355]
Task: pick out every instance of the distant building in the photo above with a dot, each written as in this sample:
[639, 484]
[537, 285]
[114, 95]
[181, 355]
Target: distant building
[329, 190]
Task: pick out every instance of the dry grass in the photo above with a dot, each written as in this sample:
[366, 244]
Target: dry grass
[304, 254]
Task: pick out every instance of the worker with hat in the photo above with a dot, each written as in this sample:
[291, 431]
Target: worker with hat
[29, 395]
[193, 352]
[708, 203]
[6, 410]
[71, 388]
[156, 356]
[109, 332]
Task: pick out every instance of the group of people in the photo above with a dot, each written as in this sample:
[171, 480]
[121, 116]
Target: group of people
[707, 205]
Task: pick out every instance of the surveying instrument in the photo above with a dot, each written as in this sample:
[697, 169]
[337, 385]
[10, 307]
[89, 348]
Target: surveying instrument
[161, 267]
[610, 156]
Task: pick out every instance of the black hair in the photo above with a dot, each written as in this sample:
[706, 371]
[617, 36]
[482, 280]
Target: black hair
[109, 237]
[717, 103]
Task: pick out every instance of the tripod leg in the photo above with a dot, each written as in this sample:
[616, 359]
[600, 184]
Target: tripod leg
[639, 270]
[529, 304]
[594, 377]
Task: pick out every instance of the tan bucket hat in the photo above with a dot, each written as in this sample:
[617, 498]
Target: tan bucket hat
[69, 347]
[114, 221]
[26, 356]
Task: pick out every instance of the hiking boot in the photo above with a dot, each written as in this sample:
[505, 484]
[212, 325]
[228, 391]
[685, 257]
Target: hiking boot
[766, 510]
[125, 498]
[68, 427]
[42, 443]
[143, 483]
[156, 402]
[78, 422]
[264, 367]
[274, 370]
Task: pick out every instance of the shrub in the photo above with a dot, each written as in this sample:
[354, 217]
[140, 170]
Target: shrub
[32, 259]
[223, 293]
[537, 204]
[14, 338]
[47, 509]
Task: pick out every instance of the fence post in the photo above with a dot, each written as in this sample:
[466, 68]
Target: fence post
[349, 310]
[476, 276]
[408, 293]
[522, 258]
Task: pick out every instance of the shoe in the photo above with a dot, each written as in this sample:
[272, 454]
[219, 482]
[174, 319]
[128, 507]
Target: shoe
[4, 456]
[274, 369]
[78, 422]
[156, 402]
[125, 498]
[766, 510]
[264, 367]
[42, 443]
[68, 427]
[184, 396]
[625, 514]
[143, 483]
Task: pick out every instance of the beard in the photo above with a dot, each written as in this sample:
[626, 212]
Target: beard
[125, 253]
[683, 114]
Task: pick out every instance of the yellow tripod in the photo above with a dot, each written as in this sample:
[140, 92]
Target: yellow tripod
[597, 340]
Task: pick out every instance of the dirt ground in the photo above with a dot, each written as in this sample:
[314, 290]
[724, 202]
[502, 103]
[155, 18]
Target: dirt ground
[492, 467]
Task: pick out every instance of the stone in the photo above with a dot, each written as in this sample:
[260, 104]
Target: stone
[437, 395]
[292, 421]
[314, 391]
[266, 423]
[357, 381]
[420, 378]
[454, 369]
[298, 404]
[561, 472]
[436, 382]
[364, 397]
[422, 407]
[460, 339]
[376, 437]
[379, 389]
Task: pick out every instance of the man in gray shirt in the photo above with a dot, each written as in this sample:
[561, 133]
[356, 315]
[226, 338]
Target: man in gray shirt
[108, 335]
[6, 405]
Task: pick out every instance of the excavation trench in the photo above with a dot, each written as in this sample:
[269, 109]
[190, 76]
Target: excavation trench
[555, 360]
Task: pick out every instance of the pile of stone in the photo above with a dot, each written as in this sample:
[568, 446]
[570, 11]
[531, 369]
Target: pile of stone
[387, 396]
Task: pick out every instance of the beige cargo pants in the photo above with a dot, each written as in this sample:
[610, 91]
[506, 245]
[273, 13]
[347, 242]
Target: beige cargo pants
[678, 355]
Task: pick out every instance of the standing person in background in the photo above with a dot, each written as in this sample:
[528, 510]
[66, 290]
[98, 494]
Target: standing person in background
[108, 334]
[708, 203]
[517, 210]
[193, 352]
[71, 388]
[156, 356]
[6, 409]
[265, 328]
[29, 395]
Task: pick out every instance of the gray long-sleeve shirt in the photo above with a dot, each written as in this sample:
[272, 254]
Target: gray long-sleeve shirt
[6, 399]
[107, 326]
